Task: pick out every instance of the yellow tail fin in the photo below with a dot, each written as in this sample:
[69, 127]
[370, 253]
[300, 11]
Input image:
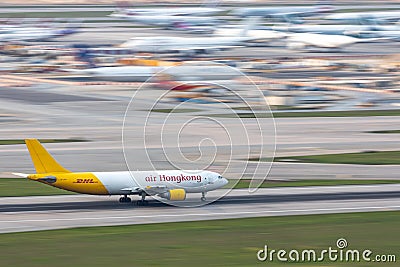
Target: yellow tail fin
[42, 160]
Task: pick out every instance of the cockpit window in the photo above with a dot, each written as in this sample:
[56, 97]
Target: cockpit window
[219, 177]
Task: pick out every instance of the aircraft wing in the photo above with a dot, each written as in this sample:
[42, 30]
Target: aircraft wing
[130, 190]
[24, 175]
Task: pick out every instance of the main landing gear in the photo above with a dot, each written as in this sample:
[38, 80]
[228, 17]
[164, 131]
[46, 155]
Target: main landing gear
[125, 199]
[143, 201]
[203, 196]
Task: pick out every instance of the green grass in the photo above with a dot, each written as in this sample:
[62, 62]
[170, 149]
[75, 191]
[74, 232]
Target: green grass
[244, 183]
[295, 114]
[232, 242]
[365, 158]
[21, 141]
[386, 132]
[19, 187]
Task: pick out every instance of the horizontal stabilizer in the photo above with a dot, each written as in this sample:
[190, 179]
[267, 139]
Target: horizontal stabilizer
[25, 175]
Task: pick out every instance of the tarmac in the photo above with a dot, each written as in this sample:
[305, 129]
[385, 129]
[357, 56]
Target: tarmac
[21, 214]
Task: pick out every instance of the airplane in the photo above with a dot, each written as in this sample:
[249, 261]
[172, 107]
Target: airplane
[368, 18]
[167, 21]
[322, 29]
[188, 71]
[315, 40]
[35, 35]
[292, 13]
[360, 31]
[143, 73]
[189, 45]
[171, 185]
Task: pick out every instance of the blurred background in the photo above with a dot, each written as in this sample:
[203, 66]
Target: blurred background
[326, 69]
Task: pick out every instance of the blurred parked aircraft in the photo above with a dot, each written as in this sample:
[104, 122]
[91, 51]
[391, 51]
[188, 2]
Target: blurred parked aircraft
[323, 29]
[370, 18]
[186, 72]
[16, 34]
[315, 40]
[191, 45]
[185, 45]
[291, 14]
[167, 21]
[207, 9]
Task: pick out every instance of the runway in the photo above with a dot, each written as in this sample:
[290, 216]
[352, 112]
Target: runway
[19, 214]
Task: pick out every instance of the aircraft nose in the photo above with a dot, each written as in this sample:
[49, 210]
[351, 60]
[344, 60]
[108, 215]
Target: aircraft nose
[224, 181]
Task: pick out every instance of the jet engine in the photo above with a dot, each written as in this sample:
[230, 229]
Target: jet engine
[174, 194]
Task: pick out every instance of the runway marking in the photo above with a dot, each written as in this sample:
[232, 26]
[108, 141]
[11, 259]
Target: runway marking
[207, 214]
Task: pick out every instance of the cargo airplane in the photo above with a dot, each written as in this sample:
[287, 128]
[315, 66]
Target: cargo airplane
[168, 184]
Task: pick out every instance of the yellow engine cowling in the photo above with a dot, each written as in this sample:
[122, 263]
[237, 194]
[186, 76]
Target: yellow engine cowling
[174, 195]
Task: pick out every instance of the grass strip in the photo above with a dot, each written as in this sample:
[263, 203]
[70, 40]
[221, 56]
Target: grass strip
[232, 242]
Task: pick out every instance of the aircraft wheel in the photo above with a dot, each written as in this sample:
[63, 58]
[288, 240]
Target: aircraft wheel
[203, 196]
[125, 199]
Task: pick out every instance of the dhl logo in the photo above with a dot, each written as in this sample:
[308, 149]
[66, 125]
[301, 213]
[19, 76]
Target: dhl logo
[85, 181]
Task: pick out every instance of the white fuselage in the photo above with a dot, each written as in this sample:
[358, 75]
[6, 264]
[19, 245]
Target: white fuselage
[302, 40]
[177, 73]
[118, 183]
[322, 29]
